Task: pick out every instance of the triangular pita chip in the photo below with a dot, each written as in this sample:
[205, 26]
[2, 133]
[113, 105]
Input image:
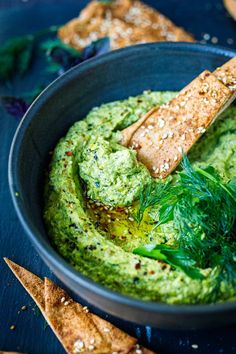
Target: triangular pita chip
[231, 7]
[128, 132]
[32, 284]
[9, 352]
[124, 22]
[227, 74]
[166, 132]
[75, 327]
[122, 343]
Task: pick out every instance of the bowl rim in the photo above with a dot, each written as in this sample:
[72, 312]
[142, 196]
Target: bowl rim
[43, 247]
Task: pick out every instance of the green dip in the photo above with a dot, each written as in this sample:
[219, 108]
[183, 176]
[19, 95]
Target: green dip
[92, 193]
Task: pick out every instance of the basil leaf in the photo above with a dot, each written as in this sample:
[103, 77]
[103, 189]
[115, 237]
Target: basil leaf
[14, 106]
[67, 57]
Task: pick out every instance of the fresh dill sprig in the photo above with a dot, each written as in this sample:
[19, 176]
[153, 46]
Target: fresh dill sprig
[150, 196]
[203, 209]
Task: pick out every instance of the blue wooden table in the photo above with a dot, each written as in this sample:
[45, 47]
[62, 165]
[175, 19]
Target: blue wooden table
[208, 21]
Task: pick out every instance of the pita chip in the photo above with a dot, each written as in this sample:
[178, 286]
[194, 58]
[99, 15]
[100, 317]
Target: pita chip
[74, 327]
[9, 352]
[32, 284]
[124, 22]
[121, 342]
[227, 74]
[168, 131]
[48, 298]
[231, 7]
[128, 132]
[77, 329]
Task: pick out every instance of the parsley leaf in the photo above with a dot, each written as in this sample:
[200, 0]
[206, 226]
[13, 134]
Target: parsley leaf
[177, 258]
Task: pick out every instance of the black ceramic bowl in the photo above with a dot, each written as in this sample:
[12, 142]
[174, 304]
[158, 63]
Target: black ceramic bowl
[117, 75]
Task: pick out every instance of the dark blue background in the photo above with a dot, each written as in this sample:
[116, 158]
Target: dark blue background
[30, 336]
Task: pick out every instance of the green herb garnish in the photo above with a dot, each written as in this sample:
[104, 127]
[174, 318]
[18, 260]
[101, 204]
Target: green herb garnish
[15, 57]
[177, 258]
[202, 208]
[106, 2]
[16, 54]
[150, 196]
[62, 57]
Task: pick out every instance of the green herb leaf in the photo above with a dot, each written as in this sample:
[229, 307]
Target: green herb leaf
[15, 57]
[202, 207]
[51, 44]
[66, 57]
[17, 53]
[17, 106]
[150, 195]
[166, 213]
[232, 185]
[177, 258]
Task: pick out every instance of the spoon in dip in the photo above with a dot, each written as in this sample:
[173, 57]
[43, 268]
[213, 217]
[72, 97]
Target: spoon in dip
[164, 133]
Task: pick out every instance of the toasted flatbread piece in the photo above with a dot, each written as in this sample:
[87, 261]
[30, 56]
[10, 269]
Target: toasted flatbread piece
[121, 342]
[174, 127]
[76, 328]
[9, 352]
[231, 7]
[227, 74]
[128, 132]
[32, 284]
[125, 22]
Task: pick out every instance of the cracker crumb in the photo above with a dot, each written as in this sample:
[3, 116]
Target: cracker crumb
[85, 308]
[161, 123]
[230, 41]
[214, 40]
[194, 346]
[78, 346]
[206, 36]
